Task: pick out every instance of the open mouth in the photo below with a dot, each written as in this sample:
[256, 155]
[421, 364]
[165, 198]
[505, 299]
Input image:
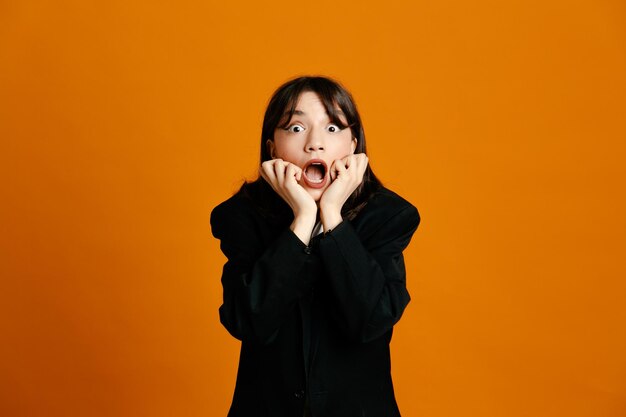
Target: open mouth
[315, 173]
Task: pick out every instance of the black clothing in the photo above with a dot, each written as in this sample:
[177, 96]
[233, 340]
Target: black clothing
[315, 321]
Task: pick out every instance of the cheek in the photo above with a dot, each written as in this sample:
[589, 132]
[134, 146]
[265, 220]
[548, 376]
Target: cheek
[284, 150]
[345, 145]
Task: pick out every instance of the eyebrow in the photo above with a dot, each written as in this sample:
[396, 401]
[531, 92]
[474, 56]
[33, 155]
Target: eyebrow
[301, 113]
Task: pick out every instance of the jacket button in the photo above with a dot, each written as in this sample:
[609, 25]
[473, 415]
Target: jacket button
[307, 250]
[299, 394]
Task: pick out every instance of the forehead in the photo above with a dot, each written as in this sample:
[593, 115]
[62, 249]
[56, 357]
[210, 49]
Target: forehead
[309, 98]
[311, 104]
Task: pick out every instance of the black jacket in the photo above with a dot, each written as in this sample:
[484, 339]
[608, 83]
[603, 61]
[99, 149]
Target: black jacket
[315, 321]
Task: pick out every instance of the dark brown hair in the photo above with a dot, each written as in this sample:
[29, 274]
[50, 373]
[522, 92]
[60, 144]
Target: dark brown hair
[332, 95]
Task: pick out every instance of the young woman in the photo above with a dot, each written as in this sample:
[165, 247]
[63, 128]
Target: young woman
[315, 277]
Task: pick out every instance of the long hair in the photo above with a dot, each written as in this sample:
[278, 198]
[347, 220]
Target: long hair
[332, 94]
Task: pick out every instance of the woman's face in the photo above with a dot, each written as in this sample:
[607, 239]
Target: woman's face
[312, 142]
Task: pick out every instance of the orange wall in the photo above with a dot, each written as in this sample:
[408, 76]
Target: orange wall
[124, 123]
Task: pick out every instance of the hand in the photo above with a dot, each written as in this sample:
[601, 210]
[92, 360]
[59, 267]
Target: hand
[346, 174]
[283, 177]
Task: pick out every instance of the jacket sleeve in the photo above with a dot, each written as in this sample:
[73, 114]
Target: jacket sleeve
[261, 284]
[369, 283]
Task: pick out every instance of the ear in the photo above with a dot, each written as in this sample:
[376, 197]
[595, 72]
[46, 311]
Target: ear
[270, 147]
[354, 143]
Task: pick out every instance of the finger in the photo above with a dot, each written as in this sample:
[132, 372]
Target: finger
[291, 172]
[279, 171]
[298, 172]
[361, 167]
[267, 172]
[340, 167]
[348, 160]
[362, 162]
[334, 169]
[331, 172]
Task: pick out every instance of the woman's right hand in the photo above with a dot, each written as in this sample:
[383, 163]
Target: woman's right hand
[283, 177]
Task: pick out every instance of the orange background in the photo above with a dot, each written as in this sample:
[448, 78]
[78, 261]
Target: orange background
[124, 123]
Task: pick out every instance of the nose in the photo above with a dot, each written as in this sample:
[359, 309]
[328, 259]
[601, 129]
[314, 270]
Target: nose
[315, 141]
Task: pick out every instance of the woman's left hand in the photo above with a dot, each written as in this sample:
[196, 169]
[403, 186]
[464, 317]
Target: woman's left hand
[346, 174]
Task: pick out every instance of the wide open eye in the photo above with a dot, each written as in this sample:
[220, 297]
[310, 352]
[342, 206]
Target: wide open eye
[333, 128]
[294, 128]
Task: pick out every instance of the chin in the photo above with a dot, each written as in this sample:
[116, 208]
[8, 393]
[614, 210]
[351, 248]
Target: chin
[316, 193]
